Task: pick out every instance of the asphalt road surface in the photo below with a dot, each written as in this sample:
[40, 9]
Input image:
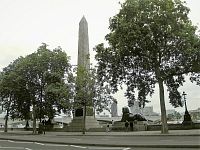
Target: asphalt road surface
[19, 145]
[134, 140]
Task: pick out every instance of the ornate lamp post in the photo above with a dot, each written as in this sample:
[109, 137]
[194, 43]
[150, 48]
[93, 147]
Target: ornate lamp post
[187, 118]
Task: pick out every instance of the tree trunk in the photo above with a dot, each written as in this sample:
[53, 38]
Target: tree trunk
[27, 124]
[7, 115]
[94, 112]
[6, 121]
[164, 128]
[34, 120]
[84, 118]
[41, 91]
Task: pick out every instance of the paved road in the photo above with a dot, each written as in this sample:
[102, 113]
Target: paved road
[163, 141]
[129, 140]
[109, 141]
[19, 145]
[186, 139]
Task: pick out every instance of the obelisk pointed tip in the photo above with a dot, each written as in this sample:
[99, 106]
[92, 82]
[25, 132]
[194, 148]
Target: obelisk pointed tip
[83, 19]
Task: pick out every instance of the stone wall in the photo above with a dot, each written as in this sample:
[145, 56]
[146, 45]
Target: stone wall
[174, 127]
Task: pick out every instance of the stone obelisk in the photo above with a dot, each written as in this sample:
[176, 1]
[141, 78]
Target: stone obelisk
[83, 61]
[83, 53]
[83, 45]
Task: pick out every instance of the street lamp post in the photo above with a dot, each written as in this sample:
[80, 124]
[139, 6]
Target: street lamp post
[187, 118]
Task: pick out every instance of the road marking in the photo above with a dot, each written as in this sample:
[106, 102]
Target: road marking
[39, 143]
[28, 149]
[115, 148]
[18, 142]
[11, 147]
[126, 148]
[56, 145]
[77, 146]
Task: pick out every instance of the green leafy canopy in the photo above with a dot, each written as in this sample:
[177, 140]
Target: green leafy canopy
[150, 40]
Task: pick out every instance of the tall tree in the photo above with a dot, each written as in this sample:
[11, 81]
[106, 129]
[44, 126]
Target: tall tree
[10, 84]
[150, 41]
[90, 92]
[46, 75]
[83, 96]
[102, 95]
[99, 96]
[40, 81]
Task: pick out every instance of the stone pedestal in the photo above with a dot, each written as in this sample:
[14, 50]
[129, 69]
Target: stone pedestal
[118, 126]
[137, 126]
[77, 124]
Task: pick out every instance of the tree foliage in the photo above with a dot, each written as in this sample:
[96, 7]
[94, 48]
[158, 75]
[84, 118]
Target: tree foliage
[11, 89]
[174, 116]
[84, 85]
[102, 95]
[151, 41]
[90, 92]
[40, 81]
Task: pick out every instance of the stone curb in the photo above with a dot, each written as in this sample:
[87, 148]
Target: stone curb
[13, 134]
[130, 135]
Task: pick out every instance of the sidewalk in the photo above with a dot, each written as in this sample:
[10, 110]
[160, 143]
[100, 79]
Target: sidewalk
[105, 138]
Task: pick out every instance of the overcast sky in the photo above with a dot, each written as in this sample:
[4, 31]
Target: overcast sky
[25, 24]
